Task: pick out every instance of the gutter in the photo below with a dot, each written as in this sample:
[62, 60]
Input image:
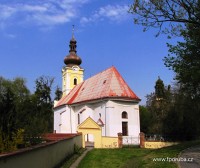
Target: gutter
[70, 118]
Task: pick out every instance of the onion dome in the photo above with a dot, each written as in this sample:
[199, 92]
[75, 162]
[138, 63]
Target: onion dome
[72, 58]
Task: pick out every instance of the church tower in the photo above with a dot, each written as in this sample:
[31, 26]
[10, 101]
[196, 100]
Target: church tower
[72, 73]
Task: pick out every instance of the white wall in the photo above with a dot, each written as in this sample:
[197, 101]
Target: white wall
[56, 121]
[114, 118]
[111, 115]
[100, 114]
[42, 156]
[62, 119]
[93, 110]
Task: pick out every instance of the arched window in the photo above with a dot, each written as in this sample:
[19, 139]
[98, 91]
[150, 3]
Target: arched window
[124, 114]
[75, 81]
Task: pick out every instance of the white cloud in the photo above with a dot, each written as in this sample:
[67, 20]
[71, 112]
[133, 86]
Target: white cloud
[111, 12]
[11, 36]
[46, 13]
[35, 8]
[6, 12]
[49, 13]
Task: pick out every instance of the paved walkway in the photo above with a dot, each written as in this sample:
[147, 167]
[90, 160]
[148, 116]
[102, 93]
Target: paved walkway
[193, 158]
[76, 163]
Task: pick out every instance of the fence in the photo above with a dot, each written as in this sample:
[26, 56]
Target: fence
[130, 140]
[47, 155]
[157, 137]
[155, 141]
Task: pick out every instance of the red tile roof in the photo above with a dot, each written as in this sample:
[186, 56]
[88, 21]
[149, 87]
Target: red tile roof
[106, 84]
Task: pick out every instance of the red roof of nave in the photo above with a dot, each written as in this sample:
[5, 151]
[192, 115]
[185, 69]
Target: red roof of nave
[106, 84]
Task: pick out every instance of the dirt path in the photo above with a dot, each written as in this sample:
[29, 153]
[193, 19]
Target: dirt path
[191, 158]
[76, 163]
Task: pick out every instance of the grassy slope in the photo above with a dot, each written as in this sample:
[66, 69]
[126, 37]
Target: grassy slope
[70, 160]
[133, 157]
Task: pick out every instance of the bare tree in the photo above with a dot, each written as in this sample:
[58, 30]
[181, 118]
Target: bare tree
[169, 16]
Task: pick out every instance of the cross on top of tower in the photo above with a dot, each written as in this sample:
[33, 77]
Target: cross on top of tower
[72, 58]
[72, 31]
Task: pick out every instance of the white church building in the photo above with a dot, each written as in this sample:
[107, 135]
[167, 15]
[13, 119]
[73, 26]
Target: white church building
[105, 98]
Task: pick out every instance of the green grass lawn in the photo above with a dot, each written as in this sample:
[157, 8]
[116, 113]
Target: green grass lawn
[133, 157]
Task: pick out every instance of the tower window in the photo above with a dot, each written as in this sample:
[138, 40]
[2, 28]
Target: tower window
[75, 81]
[124, 114]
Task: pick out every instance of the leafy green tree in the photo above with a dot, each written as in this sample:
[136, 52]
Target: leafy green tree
[43, 89]
[145, 120]
[21, 100]
[12, 98]
[182, 120]
[40, 118]
[44, 102]
[158, 104]
[24, 116]
[159, 89]
[58, 93]
[8, 112]
[175, 115]
[184, 60]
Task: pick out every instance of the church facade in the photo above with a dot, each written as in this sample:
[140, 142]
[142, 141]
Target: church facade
[104, 98]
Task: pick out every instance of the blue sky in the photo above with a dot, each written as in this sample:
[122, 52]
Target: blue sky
[35, 34]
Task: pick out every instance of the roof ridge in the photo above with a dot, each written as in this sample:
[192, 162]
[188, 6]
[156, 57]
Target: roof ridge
[102, 72]
[111, 76]
[122, 79]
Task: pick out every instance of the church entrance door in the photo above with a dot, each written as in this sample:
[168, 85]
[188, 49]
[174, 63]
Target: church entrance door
[91, 133]
[89, 140]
